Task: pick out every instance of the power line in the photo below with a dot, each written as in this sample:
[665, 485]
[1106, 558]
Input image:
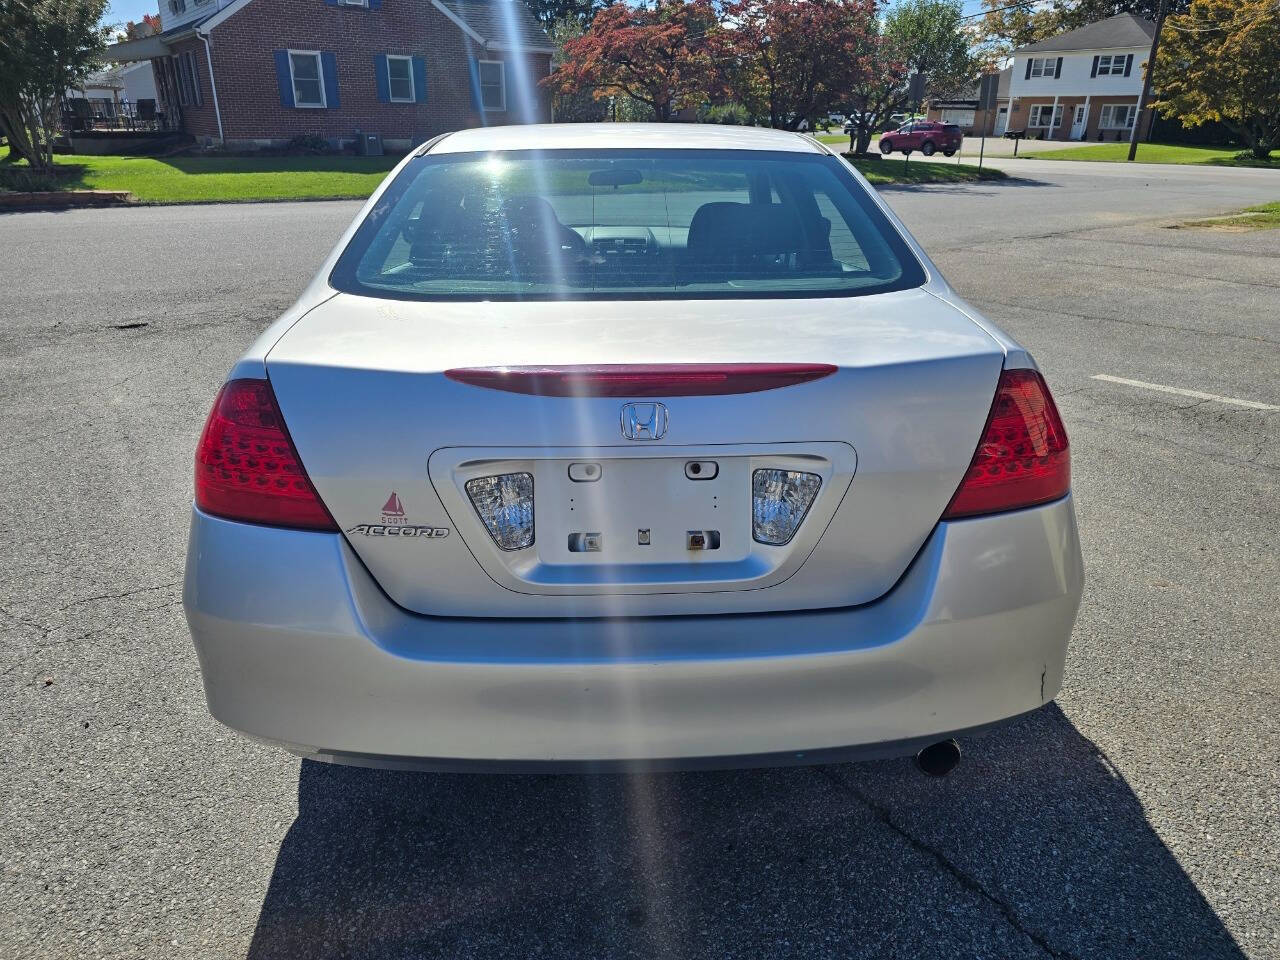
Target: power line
[1012, 6]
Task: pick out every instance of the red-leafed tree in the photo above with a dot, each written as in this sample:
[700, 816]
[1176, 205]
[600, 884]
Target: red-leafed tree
[795, 59]
[666, 57]
[880, 90]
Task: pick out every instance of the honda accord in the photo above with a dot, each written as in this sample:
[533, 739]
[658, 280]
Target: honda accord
[596, 446]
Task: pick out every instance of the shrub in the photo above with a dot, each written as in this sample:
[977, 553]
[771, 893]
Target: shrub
[309, 143]
[25, 180]
[733, 114]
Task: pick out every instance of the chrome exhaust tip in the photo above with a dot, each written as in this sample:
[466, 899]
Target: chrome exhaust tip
[939, 759]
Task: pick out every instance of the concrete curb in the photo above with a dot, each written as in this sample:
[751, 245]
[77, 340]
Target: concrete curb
[59, 199]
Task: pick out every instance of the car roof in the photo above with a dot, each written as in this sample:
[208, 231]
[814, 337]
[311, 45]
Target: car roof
[623, 136]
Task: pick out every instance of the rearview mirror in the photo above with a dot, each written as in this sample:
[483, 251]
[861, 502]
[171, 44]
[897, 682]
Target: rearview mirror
[614, 177]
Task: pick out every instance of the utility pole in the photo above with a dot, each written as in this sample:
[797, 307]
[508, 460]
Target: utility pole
[1146, 82]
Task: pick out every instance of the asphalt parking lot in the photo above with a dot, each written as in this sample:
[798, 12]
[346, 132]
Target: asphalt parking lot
[1138, 817]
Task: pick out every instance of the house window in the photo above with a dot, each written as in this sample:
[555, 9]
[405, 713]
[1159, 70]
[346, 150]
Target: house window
[1041, 113]
[959, 116]
[493, 85]
[1044, 66]
[1117, 116]
[189, 80]
[304, 71]
[400, 79]
[1112, 65]
[354, 3]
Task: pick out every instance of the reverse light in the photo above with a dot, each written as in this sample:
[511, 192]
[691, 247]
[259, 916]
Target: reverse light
[246, 466]
[779, 501]
[505, 504]
[1023, 458]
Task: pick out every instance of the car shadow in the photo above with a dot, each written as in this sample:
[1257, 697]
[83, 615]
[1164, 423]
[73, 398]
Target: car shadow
[1035, 846]
[966, 186]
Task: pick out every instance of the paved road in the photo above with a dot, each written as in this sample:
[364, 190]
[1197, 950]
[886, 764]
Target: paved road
[1138, 817]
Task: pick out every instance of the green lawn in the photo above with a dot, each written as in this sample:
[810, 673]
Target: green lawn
[1159, 153]
[194, 179]
[184, 179]
[1263, 217]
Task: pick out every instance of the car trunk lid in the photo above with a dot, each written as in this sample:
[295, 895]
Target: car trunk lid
[391, 420]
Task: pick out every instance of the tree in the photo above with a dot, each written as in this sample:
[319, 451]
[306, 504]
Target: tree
[1080, 13]
[1221, 61]
[46, 48]
[580, 106]
[929, 36]
[795, 59]
[665, 57]
[879, 91]
[148, 26]
[552, 12]
[1009, 25]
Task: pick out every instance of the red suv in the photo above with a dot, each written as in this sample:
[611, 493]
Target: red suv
[925, 136]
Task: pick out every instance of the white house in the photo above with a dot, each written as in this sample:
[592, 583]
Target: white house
[1080, 85]
[118, 90]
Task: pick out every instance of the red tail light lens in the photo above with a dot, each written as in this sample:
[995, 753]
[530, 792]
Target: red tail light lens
[246, 466]
[642, 380]
[1023, 457]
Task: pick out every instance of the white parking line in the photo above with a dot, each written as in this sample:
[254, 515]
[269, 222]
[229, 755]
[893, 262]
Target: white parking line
[1251, 404]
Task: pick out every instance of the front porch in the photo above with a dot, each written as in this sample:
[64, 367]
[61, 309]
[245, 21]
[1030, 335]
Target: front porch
[1075, 118]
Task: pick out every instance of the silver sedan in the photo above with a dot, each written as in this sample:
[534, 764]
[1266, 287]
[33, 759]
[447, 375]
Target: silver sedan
[629, 445]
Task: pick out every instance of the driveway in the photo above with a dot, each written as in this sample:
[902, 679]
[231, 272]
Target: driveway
[1135, 818]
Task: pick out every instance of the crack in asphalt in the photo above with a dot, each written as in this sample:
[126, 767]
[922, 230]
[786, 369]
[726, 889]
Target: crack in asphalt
[965, 880]
[1145, 268]
[1039, 309]
[119, 595]
[1178, 445]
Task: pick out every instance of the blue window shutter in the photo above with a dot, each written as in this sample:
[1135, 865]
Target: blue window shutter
[1128, 64]
[332, 3]
[1057, 71]
[420, 79]
[283, 80]
[1094, 72]
[1028, 76]
[474, 65]
[329, 67]
[384, 78]
[375, 4]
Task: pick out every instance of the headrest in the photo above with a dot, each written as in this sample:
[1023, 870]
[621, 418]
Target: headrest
[720, 230]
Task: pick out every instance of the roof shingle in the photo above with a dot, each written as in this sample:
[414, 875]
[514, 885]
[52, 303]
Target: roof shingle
[1123, 30]
[507, 22]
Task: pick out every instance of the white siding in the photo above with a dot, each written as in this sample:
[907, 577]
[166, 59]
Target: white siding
[1075, 80]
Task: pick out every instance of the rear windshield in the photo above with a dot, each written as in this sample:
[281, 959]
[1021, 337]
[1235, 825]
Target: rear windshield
[670, 224]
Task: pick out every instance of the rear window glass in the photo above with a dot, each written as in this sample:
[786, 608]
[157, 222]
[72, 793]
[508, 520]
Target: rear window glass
[672, 224]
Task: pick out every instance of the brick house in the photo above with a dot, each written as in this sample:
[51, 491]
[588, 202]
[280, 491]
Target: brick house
[1080, 85]
[253, 73]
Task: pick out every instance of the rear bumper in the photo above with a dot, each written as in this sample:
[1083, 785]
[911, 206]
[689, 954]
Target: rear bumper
[298, 646]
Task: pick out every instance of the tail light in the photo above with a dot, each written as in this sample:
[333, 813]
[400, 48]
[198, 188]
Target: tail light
[1023, 457]
[246, 466]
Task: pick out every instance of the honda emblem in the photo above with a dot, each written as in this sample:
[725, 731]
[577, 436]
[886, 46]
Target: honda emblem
[644, 421]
